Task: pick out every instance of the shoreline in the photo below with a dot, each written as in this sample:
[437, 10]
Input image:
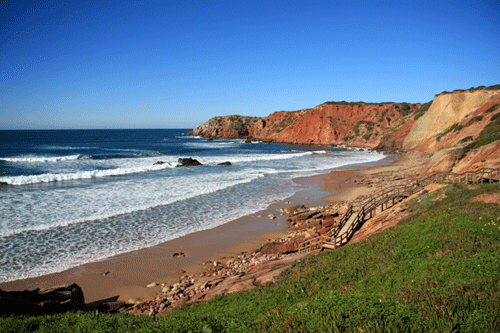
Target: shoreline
[124, 277]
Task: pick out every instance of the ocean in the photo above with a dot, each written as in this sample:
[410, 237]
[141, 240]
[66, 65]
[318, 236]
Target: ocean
[69, 197]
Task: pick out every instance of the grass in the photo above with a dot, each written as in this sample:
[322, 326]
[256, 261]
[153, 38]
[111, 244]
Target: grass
[438, 270]
[489, 134]
[455, 128]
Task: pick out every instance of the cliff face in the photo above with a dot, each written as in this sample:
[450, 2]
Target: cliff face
[446, 110]
[459, 130]
[354, 124]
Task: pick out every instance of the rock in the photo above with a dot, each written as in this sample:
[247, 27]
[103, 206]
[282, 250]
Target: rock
[177, 254]
[159, 163]
[180, 272]
[292, 209]
[224, 163]
[37, 302]
[272, 216]
[113, 307]
[273, 248]
[152, 285]
[184, 162]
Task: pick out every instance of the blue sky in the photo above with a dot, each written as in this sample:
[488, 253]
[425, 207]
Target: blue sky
[176, 64]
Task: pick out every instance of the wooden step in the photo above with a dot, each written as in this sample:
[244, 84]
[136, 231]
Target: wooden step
[329, 245]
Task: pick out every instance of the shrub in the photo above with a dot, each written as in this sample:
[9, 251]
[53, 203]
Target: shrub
[489, 134]
[492, 108]
[355, 127]
[474, 120]
[454, 127]
[404, 109]
[367, 136]
[423, 109]
[466, 139]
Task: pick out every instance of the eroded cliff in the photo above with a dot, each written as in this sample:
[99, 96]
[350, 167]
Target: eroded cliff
[335, 123]
[459, 130]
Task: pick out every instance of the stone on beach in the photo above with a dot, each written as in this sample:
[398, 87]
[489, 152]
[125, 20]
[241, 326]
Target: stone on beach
[292, 209]
[177, 254]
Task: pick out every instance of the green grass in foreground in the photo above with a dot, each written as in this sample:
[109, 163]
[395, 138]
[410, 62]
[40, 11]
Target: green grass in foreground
[438, 270]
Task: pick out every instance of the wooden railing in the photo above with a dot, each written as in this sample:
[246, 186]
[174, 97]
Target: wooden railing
[332, 239]
[316, 242]
[489, 175]
[379, 199]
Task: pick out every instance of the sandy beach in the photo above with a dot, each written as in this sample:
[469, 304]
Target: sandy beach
[125, 277]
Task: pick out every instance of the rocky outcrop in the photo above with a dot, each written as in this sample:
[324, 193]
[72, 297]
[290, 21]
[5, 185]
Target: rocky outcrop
[230, 127]
[42, 301]
[186, 162]
[332, 123]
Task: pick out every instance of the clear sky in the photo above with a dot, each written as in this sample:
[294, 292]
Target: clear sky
[176, 64]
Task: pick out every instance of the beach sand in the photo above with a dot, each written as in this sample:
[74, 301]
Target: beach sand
[124, 277]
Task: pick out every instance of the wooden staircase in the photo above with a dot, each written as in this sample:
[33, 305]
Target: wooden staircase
[354, 217]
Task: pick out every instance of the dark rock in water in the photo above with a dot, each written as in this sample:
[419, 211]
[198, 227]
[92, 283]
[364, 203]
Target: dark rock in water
[210, 139]
[224, 163]
[38, 302]
[188, 162]
[248, 140]
[159, 163]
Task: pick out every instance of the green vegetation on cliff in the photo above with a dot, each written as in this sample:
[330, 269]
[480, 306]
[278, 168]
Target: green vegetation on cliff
[438, 270]
[489, 134]
[494, 87]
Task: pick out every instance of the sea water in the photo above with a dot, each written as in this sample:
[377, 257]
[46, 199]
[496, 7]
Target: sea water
[69, 197]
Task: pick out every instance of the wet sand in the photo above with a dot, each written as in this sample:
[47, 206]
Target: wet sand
[124, 277]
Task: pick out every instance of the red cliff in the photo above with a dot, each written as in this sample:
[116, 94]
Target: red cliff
[459, 130]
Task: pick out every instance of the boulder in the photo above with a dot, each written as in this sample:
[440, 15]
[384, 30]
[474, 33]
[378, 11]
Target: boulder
[184, 162]
[38, 302]
[224, 163]
[159, 163]
[292, 209]
[273, 248]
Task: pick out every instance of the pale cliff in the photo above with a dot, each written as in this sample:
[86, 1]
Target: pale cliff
[446, 110]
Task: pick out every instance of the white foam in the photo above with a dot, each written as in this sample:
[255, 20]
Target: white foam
[111, 199]
[84, 233]
[40, 159]
[65, 148]
[51, 177]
